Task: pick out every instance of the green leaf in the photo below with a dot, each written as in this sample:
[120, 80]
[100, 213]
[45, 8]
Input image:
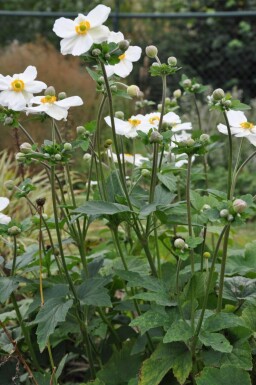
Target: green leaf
[93, 292]
[101, 208]
[7, 286]
[61, 366]
[248, 315]
[193, 242]
[216, 341]
[151, 319]
[226, 375]
[198, 285]
[238, 106]
[222, 321]
[242, 264]
[168, 180]
[239, 288]
[182, 364]
[240, 357]
[50, 315]
[179, 331]
[43, 379]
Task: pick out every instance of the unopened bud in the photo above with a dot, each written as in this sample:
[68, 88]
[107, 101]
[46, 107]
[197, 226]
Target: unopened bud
[172, 61]
[156, 137]
[14, 230]
[20, 157]
[206, 207]
[96, 52]
[230, 218]
[151, 51]
[119, 115]
[113, 88]
[177, 93]
[25, 148]
[8, 120]
[50, 91]
[9, 184]
[224, 213]
[155, 64]
[57, 157]
[145, 172]
[239, 205]
[87, 157]
[123, 45]
[195, 87]
[159, 106]
[204, 138]
[62, 95]
[41, 201]
[67, 146]
[133, 90]
[206, 254]
[187, 83]
[190, 142]
[101, 79]
[108, 143]
[179, 243]
[80, 130]
[218, 94]
[226, 103]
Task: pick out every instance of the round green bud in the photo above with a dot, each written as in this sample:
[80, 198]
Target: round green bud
[123, 45]
[218, 94]
[177, 93]
[167, 100]
[151, 51]
[187, 83]
[62, 95]
[172, 61]
[230, 218]
[107, 56]
[57, 157]
[224, 213]
[179, 243]
[119, 115]
[80, 130]
[239, 205]
[108, 143]
[87, 157]
[159, 106]
[195, 87]
[145, 172]
[133, 90]
[155, 64]
[50, 91]
[25, 148]
[155, 137]
[204, 138]
[206, 207]
[20, 157]
[96, 52]
[67, 146]
[190, 142]
[8, 120]
[226, 103]
[14, 230]
[206, 254]
[46, 156]
[9, 184]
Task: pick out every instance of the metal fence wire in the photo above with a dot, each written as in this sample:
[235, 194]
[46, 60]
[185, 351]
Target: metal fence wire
[217, 48]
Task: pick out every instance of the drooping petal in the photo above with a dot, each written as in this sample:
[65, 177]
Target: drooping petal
[72, 101]
[57, 112]
[4, 202]
[4, 219]
[35, 86]
[82, 45]
[236, 117]
[99, 34]
[27, 96]
[98, 15]
[222, 128]
[115, 37]
[133, 53]
[64, 28]
[123, 68]
[29, 74]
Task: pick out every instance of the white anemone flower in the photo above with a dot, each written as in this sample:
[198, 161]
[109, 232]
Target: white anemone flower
[4, 219]
[170, 118]
[136, 159]
[17, 90]
[125, 66]
[239, 126]
[131, 127]
[56, 109]
[80, 34]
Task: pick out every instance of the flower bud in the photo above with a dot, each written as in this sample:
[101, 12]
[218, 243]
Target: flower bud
[151, 51]
[206, 207]
[20, 157]
[67, 146]
[172, 61]
[204, 138]
[25, 148]
[167, 100]
[226, 103]
[156, 137]
[224, 213]
[206, 254]
[195, 87]
[107, 56]
[190, 142]
[80, 130]
[155, 64]
[119, 115]
[62, 95]
[113, 88]
[177, 93]
[101, 79]
[8, 120]
[14, 230]
[187, 83]
[57, 157]
[230, 218]
[46, 156]
[123, 45]
[145, 172]
[108, 143]
[179, 243]
[50, 91]
[9, 184]
[96, 52]
[218, 94]
[239, 205]
[41, 201]
[159, 106]
[87, 157]
[133, 90]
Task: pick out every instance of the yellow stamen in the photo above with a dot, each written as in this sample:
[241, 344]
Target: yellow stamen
[82, 27]
[247, 125]
[49, 99]
[134, 122]
[18, 85]
[121, 57]
[154, 119]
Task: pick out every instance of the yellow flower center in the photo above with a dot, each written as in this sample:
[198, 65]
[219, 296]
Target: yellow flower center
[18, 85]
[121, 57]
[49, 99]
[247, 125]
[154, 119]
[134, 122]
[82, 27]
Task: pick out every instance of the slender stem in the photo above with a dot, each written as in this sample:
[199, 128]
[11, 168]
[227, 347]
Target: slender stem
[26, 133]
[52, 363]
[190, 228]
[40, 257]
[240, 169]
[230, 156]
[198, 114]
[203, 247]
[14, 255]
[222, 271]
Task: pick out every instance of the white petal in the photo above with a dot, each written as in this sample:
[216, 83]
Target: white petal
[236, 117]
[4, 202]
[5, 82]
[252, 139]
[133, 53]
[110, 70]
[17, 101]
[57, 112]
[124, 68]
[38, 109]
[4, 219]
[4, 98]
[222, 128]
[82, 45]
[66, 45]
[36, 99]
[242, 134]
[29, 74]
[35, 86]
[171, 118]
[64, 28]
[72, 101]
[99, 34]
[182, 126]
[115, 37]
[98, 15]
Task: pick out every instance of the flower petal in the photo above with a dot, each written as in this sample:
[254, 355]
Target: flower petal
[29, 74]
[124, 68]
[64, 28]
[5, 82]
[115, 37]
[236, 117]
[35, 86]
[252, 139]
[110, 70]
[66, 45]
[222, 128]
[72, 101]
[182, 126]
[133, 53]
[4, 202]
[4, 219]
[171, 118]
[82, 45]
[17, 101]
[98, 15]
[99, 34]
[57, 112]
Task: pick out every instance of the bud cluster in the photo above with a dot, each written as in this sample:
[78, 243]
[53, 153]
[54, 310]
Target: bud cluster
[192, 86]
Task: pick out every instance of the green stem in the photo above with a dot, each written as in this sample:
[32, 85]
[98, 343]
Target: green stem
[14, 255]
[203, 247]
[223, 268]
[52, 363]
[198, 114]
[190, 228]
[240, 169]
[230, 156]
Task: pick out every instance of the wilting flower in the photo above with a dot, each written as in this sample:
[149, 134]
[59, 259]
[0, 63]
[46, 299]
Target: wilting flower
[17, 90]
[170, 118]
[80, 34]
[239, 126]
[131, 127]
[132, 54]
[136, 159]
[57, 109]
[4, 219]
